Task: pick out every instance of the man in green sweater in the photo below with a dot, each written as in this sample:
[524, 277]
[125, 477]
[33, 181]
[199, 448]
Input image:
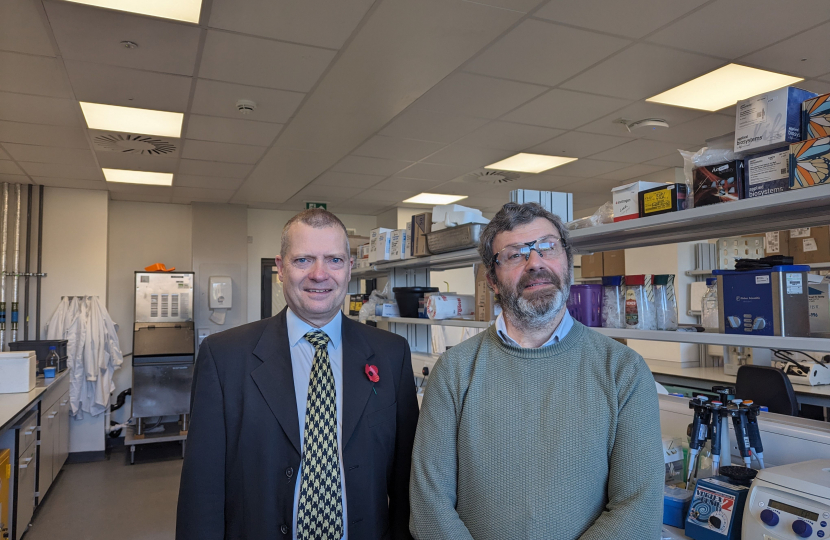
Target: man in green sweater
[539, 427]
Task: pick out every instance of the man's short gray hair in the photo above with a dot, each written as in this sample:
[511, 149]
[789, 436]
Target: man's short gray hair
[508, 218]
[317, 218]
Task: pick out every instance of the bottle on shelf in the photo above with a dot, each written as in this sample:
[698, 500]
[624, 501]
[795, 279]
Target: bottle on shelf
[52, 361]
[665, 302]
[709, 306]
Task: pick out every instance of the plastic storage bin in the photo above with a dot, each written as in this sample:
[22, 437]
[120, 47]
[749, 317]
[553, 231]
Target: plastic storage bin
[613, 302]
[665, 302]
[585, 304]
[17, 372]
[639, 303]
[709, 306]
[676, 503]
[408, 299]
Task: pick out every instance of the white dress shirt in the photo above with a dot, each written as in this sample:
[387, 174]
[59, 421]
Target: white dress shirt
[561, 331]
[302, 357]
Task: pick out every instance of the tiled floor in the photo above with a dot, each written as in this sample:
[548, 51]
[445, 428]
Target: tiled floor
[113, 499]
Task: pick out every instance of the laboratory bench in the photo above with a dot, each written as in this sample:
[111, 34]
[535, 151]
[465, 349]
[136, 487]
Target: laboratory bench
[34, 436]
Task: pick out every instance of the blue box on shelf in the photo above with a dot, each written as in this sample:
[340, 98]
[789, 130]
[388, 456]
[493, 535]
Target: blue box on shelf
[676, 503]
[767, 172]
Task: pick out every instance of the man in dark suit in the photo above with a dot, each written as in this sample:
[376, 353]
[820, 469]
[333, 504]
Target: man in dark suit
[302, 424]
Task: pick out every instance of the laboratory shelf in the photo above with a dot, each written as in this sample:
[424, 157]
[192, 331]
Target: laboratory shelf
[813, 266]
[787, 210]
[726, 340]
[434, 322]
[444, 261]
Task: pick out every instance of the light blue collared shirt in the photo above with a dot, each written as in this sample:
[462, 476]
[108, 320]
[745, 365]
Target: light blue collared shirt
[559, 334]
[302, 357]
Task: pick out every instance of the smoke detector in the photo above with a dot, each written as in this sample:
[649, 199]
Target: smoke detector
[127, 143]
[653, 123]
[129, 44]
[490, 177]
[245, 106]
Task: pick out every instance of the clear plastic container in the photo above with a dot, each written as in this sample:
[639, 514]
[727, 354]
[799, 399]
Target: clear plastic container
[613, 302]
[665, 302]
[639, 303]
[709, 307]
[52, 359]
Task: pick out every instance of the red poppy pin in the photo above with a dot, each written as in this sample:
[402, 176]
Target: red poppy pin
[372, 373]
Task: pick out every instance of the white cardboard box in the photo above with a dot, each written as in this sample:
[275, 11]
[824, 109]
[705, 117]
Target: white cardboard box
[373, 239]
[397, 245]
[383, 246]
[626, 203]
[769, 120]
[819, 300]
[17, 372]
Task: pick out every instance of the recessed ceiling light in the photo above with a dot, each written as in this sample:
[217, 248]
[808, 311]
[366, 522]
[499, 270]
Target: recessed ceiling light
[138, 177]
[132, 120]
[178, 10]
[723, 87]
[434, 198]
[530, 163]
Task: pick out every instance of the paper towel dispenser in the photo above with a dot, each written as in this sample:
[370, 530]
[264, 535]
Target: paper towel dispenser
[221, 292]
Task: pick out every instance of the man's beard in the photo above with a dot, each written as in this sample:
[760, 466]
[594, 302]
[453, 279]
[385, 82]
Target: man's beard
[541, 308]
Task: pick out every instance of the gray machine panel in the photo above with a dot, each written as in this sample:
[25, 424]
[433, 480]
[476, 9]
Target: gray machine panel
[163, 297]
[151, 339]
[161, 390]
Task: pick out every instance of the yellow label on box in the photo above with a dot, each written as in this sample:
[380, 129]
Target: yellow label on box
[657, 201]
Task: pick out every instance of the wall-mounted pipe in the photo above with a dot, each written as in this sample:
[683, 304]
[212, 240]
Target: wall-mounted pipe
[4, 233]
[39, 259]
[16, 278]
[28, 257]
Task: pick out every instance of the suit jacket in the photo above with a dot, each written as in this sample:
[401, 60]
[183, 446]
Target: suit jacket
[243, 445]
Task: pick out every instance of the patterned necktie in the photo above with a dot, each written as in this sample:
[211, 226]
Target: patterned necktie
[320, 509]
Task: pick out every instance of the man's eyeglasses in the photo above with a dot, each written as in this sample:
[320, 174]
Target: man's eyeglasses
[516, 254]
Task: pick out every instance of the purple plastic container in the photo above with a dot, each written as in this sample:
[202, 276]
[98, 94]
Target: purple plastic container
[585, 304]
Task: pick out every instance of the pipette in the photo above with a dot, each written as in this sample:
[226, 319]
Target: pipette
[715, 435]
[754, 433]
[739, 423]
[698, 433]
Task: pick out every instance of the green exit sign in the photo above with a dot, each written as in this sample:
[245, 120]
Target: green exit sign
[310, 205]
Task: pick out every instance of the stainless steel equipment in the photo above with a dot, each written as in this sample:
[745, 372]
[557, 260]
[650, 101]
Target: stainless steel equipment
[163, 348]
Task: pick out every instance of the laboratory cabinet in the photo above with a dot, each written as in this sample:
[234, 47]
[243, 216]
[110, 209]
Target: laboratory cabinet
[54, 435]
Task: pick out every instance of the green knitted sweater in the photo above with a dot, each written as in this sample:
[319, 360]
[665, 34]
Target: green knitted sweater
[555, 443]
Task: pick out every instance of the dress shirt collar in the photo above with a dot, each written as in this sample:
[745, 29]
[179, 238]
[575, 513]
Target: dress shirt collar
[298, 328]
[561, 331]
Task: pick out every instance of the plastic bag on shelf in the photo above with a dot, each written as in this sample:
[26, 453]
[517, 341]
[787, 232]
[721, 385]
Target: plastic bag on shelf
[604, 214]
[713, 154]
[375, 297]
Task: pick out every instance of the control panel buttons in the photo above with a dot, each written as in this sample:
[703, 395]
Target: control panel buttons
[820, 534]
[769, 517]
[823, 524]
[802, 528]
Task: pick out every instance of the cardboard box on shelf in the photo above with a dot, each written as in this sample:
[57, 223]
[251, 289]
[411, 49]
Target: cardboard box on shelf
[592, 265]
[626, 201]
[769, 120]
[613, 263]
[815, 117]
[383, 246]
[397, 245]
[777, 243]
[421, 226]
[767, 173]
[485, 299]
[810, 245]
[662, 200]
[373, 239]
[808, 163]
[720, 183]
[817, 295]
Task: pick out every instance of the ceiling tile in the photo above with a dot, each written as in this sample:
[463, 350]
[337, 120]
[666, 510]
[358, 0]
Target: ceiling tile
[407, 184]
[672, 160]
[815, 85]
[214, 151]
[98, 185]
[433, 171]
[395, 148]
[637, 151]
[22, 30]
[211, 128]
[215, 98]
[321, 192]
[431, 126]
[543, 53]
[9, 167]
[27, 74]
[642, 71]
[596, 186]
[325, 23]
[65, 137]
[351, 180]
[139, 189]
[140, 197]
[388, 197]
[713, 29]
[14, 178]
[136, 162]
[476, 95]
[113, 85]
[213, 168]
[798, 55]
[95, 35]
[79, 172]
[368, 165]
[640, 111]
[46, 154]
[523, 6]
[588, 168]
[564, 109]
[509, 136]
[695, 131]
[634, 18]
[206, 182]
[38, 110]
[578, 144]
[545, 182]
[589, 202]
[360, 208]
[469, 157]
[4, 155]
[190, 194]
[629, 173]
[262, 62]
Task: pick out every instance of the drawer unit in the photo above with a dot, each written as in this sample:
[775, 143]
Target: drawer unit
[27, 432]
[24, 502]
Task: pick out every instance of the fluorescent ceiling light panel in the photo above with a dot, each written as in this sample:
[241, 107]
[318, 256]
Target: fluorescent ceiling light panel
[138, 177]
[434, 198]
[132, 120]
[178, 10]
[723, 87]
[530, 163]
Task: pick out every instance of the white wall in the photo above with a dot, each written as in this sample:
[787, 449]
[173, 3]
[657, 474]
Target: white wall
[264, 230]
[140, 234]
[75, 257]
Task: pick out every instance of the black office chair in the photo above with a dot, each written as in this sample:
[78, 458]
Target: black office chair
[769, 387]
